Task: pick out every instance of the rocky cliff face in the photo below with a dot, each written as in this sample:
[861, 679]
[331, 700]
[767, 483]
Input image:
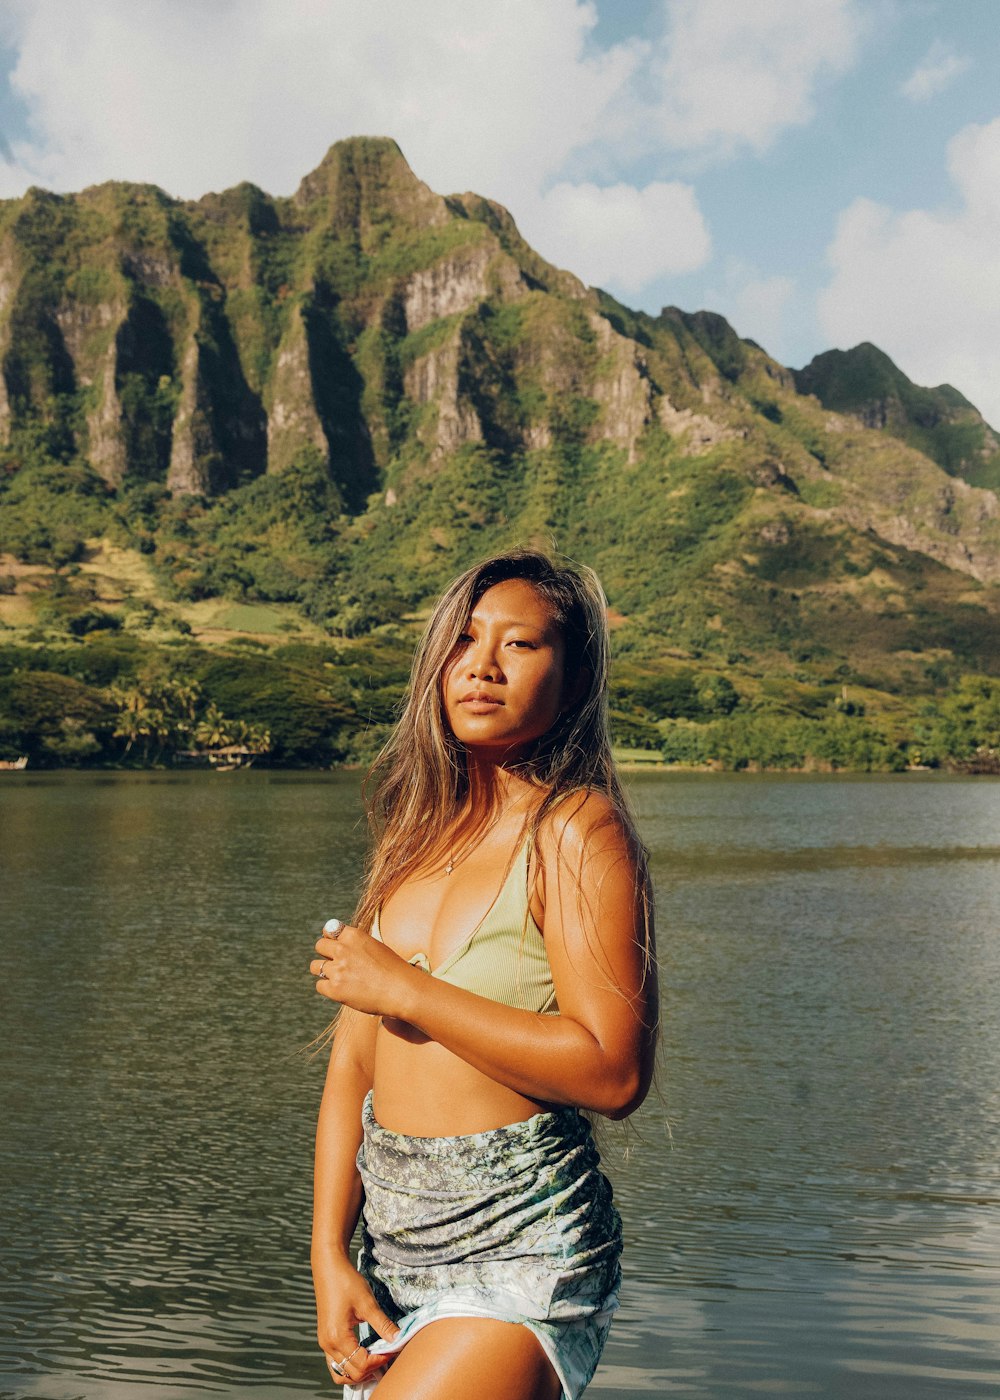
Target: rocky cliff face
[457, 390]
[201, 344]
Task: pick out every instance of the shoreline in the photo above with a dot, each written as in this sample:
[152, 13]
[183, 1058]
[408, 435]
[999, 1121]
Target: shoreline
[628, 766]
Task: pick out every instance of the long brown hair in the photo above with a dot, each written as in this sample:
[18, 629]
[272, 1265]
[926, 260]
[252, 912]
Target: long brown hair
[419, 783]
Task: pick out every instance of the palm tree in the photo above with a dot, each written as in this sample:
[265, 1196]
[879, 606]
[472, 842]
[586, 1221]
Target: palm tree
[212, 730]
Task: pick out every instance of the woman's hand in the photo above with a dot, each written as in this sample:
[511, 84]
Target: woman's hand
[343, 1302]
[356, 970]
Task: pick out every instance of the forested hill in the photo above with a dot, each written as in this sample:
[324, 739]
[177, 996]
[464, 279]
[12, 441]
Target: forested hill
[940, 422]
[290, 420]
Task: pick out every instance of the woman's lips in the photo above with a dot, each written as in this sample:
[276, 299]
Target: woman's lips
[479, 704]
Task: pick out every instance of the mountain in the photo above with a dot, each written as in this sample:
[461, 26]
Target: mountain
[295, 418]
[940, 422]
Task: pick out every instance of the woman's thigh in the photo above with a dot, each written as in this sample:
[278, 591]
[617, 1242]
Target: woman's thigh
[461, 1356]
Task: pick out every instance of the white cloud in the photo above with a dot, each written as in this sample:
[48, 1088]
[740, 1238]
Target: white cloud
[617, 236]
[936, 71]
[737, 74]
[500, 96]
[488, 94]
[924, 285]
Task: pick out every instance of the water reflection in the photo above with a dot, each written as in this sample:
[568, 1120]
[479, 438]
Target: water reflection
[817, 1220]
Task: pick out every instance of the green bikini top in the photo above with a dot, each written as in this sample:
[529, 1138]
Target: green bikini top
[504, 956]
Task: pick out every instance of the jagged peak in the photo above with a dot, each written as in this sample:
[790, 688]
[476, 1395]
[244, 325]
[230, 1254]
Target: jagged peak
[247, 202]
[863, 354]
[866, 384]
[837, 372]
[37, 194]
[709, 322]
[486, 211]
[713, 334]
[372, 149]
[365, 177]
[500, 221]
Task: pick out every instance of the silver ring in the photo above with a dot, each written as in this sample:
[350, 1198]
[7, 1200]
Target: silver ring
[332, 927]
[352, 1355]
[335, 1366]
[321, 975]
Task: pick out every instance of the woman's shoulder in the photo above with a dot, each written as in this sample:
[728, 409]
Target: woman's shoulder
[577, 820]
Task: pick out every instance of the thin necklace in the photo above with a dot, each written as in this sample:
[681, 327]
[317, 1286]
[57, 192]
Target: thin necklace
[456, 858]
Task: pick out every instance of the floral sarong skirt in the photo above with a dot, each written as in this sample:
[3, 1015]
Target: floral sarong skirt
[515, 1224]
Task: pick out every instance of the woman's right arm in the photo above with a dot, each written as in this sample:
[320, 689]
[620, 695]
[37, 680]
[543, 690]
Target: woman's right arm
[343, 1298]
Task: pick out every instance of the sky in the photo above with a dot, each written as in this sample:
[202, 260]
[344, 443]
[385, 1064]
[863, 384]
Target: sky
[821, 172]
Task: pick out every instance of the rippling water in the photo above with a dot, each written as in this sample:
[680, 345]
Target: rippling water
[810, 1205]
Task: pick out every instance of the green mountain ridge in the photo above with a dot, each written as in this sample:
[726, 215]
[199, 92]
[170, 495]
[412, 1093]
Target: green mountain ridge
[940, 422]
[293, 419]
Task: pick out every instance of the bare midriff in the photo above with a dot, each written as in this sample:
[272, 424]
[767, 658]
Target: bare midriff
[420, 1087]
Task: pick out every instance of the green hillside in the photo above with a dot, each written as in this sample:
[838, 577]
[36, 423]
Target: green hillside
[939, 422]
[244, 440]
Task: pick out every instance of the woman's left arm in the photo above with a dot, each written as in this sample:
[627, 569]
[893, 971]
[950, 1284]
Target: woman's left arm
[597, 1052]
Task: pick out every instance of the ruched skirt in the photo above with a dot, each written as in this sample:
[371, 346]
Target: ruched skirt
[516, 1224]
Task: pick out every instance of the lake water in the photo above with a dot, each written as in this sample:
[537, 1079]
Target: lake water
[811, 1203]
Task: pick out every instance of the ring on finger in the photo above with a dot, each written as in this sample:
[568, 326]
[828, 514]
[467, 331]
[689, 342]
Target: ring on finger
[336, 1366]
[332, 927]
[321, 975]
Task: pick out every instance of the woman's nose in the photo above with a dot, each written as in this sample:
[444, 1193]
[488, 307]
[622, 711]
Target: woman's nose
[482, 664]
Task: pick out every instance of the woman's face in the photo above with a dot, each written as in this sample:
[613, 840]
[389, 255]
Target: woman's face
[503, 686]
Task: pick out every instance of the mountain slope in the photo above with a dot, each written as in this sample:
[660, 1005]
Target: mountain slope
[329, 403]
[940, 422]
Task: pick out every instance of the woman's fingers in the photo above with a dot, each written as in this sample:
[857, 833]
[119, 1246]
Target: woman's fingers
[319, 967]
[337, 956]
[338, 1372]
[380, 1321]
[326, 942]
[325, 946]
[324, 970]
[343, 1372]
[347, 1360]
[359, 971]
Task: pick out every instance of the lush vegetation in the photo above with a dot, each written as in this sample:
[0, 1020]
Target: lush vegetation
[115, 701]
[244, 441]
[939, 422]
[112, 699]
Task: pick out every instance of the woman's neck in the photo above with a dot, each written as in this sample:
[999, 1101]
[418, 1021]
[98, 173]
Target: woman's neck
[493, 788]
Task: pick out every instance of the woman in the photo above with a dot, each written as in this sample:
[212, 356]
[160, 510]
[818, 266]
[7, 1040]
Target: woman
[499, 978]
